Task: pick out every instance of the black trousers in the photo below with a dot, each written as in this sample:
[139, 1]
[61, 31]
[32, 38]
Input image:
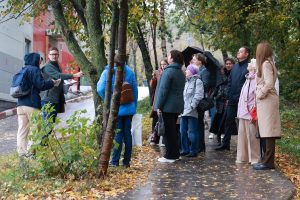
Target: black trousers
[201, 131]
[154, 120]
[230, 127]
[171, 137]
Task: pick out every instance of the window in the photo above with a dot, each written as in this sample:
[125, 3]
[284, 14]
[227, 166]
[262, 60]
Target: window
[27, 46]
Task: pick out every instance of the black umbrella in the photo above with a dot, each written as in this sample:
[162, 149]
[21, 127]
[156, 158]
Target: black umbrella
[212, 64]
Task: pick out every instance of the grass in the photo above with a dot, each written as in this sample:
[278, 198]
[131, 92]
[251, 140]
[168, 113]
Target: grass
[38, 186]
[144, 106]
[290, 127]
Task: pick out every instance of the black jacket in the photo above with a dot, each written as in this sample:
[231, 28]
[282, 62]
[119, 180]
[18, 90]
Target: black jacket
[236, 81]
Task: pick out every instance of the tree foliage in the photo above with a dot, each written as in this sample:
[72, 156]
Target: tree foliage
[230, 24]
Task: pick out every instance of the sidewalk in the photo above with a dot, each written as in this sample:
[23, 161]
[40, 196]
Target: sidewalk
[70, 97]
[213, 175]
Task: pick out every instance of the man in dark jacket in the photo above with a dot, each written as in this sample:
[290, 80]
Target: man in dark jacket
[28, 104]
[52, 70]
[236, 81]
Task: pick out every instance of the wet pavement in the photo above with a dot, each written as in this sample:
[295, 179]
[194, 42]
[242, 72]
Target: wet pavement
[8, 135]
[9, 126]
[213, 175]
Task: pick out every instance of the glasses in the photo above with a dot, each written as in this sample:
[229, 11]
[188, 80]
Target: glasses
[54, 54]
[163, 64]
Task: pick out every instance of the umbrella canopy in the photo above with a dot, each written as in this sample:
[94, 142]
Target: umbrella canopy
[212, 64]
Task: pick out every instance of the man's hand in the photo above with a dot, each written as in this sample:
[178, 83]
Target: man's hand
[78, 74]
[158, 111]
[56, 82]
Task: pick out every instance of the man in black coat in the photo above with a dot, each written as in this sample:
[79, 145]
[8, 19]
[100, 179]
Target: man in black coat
[236, 81]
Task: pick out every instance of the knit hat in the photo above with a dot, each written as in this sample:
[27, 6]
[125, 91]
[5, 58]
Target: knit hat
[192, 69]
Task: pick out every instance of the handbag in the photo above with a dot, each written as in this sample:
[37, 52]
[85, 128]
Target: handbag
[126, 93]
[253, 114]
[205, 104]
[160, 126]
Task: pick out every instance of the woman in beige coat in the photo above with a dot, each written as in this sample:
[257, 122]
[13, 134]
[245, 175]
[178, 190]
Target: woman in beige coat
[267, 101]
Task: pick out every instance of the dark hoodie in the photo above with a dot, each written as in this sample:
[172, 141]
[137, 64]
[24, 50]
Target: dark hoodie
[36, 81]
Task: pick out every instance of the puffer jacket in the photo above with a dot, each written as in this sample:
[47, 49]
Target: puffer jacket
[193, 92]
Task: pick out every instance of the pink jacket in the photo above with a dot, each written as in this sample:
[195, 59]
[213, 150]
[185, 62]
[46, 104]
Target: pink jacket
[247, 97]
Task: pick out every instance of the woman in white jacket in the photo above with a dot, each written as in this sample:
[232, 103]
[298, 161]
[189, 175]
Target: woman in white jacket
[189, 126]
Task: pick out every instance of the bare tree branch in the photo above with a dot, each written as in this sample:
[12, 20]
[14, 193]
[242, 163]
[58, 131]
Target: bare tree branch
[18, 15]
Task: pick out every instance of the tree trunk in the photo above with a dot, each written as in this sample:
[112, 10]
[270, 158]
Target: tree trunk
[163, 29]
[113, 115]
[133, 48]
[139, 36]
[153, 31]
[87, 67]
[108, 88]
[224, 54]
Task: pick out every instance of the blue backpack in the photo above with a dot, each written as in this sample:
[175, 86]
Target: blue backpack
[20, 84]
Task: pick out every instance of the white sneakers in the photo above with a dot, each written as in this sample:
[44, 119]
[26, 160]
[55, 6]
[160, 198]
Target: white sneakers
[211, 136]
[165, 160]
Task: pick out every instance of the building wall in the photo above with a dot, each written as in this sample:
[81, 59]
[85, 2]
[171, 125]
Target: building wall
[15, 42]
[43, 40]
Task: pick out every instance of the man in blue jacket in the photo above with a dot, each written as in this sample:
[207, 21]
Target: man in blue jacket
[236, 81]
[28, 104]
[126, 112]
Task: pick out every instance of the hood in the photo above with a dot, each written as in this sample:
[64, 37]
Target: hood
[32, 59]
[193, 77]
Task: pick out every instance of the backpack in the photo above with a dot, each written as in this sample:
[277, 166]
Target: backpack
[20, 85]
[126, 93]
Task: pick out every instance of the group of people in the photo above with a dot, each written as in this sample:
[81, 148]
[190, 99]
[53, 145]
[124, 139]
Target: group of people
[48, 78]
[245, 97]
[246, 104]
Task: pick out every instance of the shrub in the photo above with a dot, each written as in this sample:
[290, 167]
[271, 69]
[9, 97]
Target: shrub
[66, 151]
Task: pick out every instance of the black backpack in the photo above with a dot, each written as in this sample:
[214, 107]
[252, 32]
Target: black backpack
[20, 85]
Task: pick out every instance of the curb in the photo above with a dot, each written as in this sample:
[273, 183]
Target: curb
[13, 111]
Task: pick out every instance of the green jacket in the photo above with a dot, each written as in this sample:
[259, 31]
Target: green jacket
[55, 94]
[169, 91]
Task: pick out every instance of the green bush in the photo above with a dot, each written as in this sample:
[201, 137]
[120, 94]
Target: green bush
[144, 106]
[290, 124]
[74, 153]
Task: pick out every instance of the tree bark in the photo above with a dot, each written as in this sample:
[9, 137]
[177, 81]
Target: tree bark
[96, 38]
[133, 48]
[113, 115]
[108, 88]
[87, 67]
[139, 36]
[163, 29]
[153, 30]
[224, 54]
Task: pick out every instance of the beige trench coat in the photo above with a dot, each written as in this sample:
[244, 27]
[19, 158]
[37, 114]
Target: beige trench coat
[267, 101]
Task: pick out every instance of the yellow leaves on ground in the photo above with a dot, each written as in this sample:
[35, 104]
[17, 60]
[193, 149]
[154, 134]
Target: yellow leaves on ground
[290, 168]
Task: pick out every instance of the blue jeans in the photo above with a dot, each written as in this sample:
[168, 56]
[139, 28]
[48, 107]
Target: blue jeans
[189, 134]
[212, 113]
[123, 135]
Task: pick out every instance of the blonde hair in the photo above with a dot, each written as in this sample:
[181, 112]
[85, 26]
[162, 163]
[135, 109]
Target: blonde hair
[263, 52]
